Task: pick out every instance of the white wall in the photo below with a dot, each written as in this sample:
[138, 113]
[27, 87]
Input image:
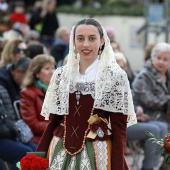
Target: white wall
[125, 28]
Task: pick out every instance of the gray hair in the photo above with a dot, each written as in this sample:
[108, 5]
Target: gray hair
[60, 31]
[162, 46]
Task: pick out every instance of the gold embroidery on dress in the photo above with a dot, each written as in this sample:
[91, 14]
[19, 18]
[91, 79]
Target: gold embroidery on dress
[74, 131]
[77, 110]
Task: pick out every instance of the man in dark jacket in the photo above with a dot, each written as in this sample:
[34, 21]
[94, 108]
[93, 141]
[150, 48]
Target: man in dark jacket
[60, 46]
[11, 77]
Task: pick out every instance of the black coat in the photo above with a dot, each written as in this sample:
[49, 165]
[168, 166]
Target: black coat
[6, 108]
[7, 81]
[49, 22]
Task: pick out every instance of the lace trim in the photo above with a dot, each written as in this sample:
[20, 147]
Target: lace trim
[59, 160]
[72, 165]
[54, 143]
[84, 87]
[85, 161]
[100, 148]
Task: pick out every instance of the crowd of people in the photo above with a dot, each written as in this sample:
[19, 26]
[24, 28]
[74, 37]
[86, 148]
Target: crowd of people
[78, 93]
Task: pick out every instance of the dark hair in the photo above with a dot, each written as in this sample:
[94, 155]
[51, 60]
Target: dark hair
[21, 64]
[19, 4]
[90, 21]
[34, 49]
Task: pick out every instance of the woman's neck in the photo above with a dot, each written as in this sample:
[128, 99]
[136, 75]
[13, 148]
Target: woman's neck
[83, 65]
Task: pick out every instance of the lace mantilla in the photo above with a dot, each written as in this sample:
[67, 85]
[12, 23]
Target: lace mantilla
[112, 90]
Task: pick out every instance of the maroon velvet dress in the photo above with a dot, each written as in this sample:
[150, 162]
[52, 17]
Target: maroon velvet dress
[77, 142]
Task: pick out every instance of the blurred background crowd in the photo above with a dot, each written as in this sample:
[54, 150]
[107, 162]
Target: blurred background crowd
[33, 43]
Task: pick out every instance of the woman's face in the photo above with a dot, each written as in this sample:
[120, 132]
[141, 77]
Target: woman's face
[87, 42]
[161, 61]
[20, 51]
[46, 73]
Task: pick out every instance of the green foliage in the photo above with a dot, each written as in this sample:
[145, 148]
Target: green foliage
[160, 142]
[119, 3]
[110, 8]
[65, 2]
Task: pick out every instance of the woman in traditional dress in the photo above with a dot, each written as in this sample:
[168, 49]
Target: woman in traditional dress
[82, 96]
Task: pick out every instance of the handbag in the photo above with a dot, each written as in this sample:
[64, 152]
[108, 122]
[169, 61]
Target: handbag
[19, 128]
[23, 131]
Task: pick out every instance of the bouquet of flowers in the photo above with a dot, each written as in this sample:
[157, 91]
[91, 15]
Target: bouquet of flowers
[164, 144]
[33, 162]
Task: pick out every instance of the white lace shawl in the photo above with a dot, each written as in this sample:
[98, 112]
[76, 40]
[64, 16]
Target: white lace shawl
[112, 90]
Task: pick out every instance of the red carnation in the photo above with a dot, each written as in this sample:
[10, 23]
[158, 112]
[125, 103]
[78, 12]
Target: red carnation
[33, 162]
[167, 144]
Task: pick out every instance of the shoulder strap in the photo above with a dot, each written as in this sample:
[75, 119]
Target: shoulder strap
[3, 114]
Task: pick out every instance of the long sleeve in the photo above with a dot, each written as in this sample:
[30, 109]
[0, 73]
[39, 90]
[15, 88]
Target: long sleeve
[118, 124]
[44, 143]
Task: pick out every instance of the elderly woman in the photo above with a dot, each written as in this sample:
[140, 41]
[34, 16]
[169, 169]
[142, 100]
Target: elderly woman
[151, 87]
[138, 133]
[32, 95]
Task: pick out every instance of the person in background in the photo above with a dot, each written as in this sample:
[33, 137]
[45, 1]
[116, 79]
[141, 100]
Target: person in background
[151, 87]
[35, 85]
[19, 13]
[13, 51]
[2, 45]
[18, 31]
[32, 36]
[81, 98]
[60, 47]
[46, 21]
[36, 48]
[131, 75]
[145, 124]
[21, 28]
[11, 76]
[110, 33]
[11, 150]
[3, 7]
[35, 12]
[11, 34]
[148, 51]
[115, 46]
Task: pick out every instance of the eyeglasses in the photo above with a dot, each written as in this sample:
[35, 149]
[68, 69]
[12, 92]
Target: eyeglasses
[18, 50]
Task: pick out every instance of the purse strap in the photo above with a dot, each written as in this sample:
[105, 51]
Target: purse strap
[3, 114]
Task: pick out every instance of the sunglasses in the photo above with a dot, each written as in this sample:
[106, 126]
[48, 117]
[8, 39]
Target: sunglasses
[18, 50]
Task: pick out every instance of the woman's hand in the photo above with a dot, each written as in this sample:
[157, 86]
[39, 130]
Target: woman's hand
[141, 117]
